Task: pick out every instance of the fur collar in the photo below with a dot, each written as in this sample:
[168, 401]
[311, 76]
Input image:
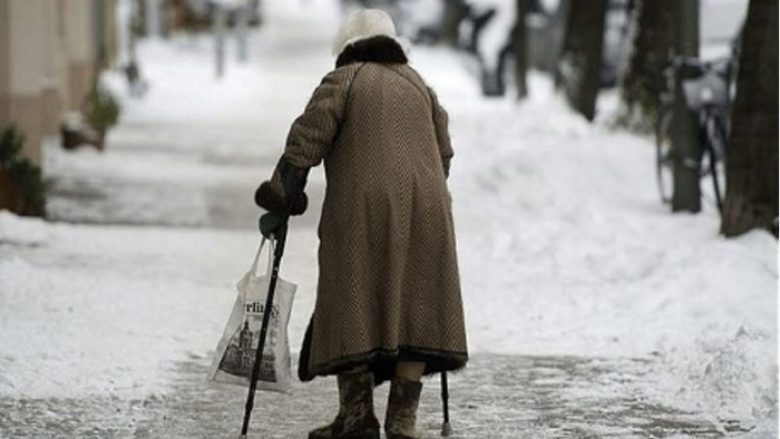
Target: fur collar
[379, 49]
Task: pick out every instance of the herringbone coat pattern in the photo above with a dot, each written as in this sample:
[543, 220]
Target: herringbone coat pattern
[389, 286]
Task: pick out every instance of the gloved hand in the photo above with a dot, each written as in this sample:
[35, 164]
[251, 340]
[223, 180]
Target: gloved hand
[271, 196]
[284, 190]
[281, 196]
[270, 222]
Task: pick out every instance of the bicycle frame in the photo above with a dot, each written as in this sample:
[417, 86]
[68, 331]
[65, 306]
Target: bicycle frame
[707, 88]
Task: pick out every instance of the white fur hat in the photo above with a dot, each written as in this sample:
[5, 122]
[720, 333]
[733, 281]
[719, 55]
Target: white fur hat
[366, 23]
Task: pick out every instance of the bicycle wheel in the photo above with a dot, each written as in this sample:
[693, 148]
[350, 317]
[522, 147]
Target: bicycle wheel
[663, 155]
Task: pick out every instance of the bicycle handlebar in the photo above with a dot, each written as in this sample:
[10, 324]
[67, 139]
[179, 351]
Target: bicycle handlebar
[686, 62]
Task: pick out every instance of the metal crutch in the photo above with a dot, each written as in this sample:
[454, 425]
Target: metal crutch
[281, 236]
[446, 429]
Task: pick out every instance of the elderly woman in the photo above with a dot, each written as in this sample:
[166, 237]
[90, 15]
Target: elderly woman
[388, 301]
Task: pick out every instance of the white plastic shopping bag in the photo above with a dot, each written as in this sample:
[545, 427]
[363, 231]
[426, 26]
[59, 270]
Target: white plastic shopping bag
[236, 351]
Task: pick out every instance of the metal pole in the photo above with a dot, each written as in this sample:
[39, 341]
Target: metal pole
[242, 31]
[686, 147]
[219, 43]
[520, 46]
[152, 18]
[269, 300]
[446, 429]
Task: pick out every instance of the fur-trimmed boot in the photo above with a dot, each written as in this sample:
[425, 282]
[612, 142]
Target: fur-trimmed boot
[402, 409]
[356, 419]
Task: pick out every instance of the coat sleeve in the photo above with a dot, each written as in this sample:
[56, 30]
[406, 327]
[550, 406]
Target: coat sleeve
[313, 132]
[441, 125]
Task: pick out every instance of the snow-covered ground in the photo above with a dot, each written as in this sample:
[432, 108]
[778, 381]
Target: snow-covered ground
[564, 246]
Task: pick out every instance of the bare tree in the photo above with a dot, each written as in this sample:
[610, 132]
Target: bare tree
[751, 170]
[454, 11]
[580, 61]
[652, 43]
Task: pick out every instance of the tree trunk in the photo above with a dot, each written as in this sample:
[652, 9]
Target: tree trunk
[686, 145]
[454, 11]
[652, 44]
[580, 62]
[751, 171]
[520, 47]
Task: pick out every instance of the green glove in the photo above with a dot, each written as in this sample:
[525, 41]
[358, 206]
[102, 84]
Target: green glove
[270, 223]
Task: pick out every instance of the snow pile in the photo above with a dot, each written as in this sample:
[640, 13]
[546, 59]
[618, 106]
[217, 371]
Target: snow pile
[18, 231]
[732, 380]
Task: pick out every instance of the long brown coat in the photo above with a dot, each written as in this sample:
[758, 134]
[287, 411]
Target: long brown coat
[389, 287]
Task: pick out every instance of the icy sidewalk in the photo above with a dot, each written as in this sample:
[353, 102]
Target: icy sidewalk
[498, 397]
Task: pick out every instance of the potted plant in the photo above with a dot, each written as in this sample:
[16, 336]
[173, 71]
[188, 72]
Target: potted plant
[99, 113]
[102, 111]
[22, 189]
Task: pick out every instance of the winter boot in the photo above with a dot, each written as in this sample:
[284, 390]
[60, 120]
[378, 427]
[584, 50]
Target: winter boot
[356, 419]
[402, 409]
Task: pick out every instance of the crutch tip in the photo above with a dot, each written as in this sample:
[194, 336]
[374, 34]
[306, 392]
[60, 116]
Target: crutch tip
[241, 436]
[446, 429]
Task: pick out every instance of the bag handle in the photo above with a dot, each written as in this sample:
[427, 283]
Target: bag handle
[256, 261]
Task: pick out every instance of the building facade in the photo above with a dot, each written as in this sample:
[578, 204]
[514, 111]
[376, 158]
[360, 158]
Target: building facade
[50, 54]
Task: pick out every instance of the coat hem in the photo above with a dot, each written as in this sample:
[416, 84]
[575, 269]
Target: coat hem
[382, 361]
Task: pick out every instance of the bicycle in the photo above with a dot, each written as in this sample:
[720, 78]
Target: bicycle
[707, 88]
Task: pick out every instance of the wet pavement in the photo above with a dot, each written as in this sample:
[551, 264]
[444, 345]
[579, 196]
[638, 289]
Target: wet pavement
[495, 397]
